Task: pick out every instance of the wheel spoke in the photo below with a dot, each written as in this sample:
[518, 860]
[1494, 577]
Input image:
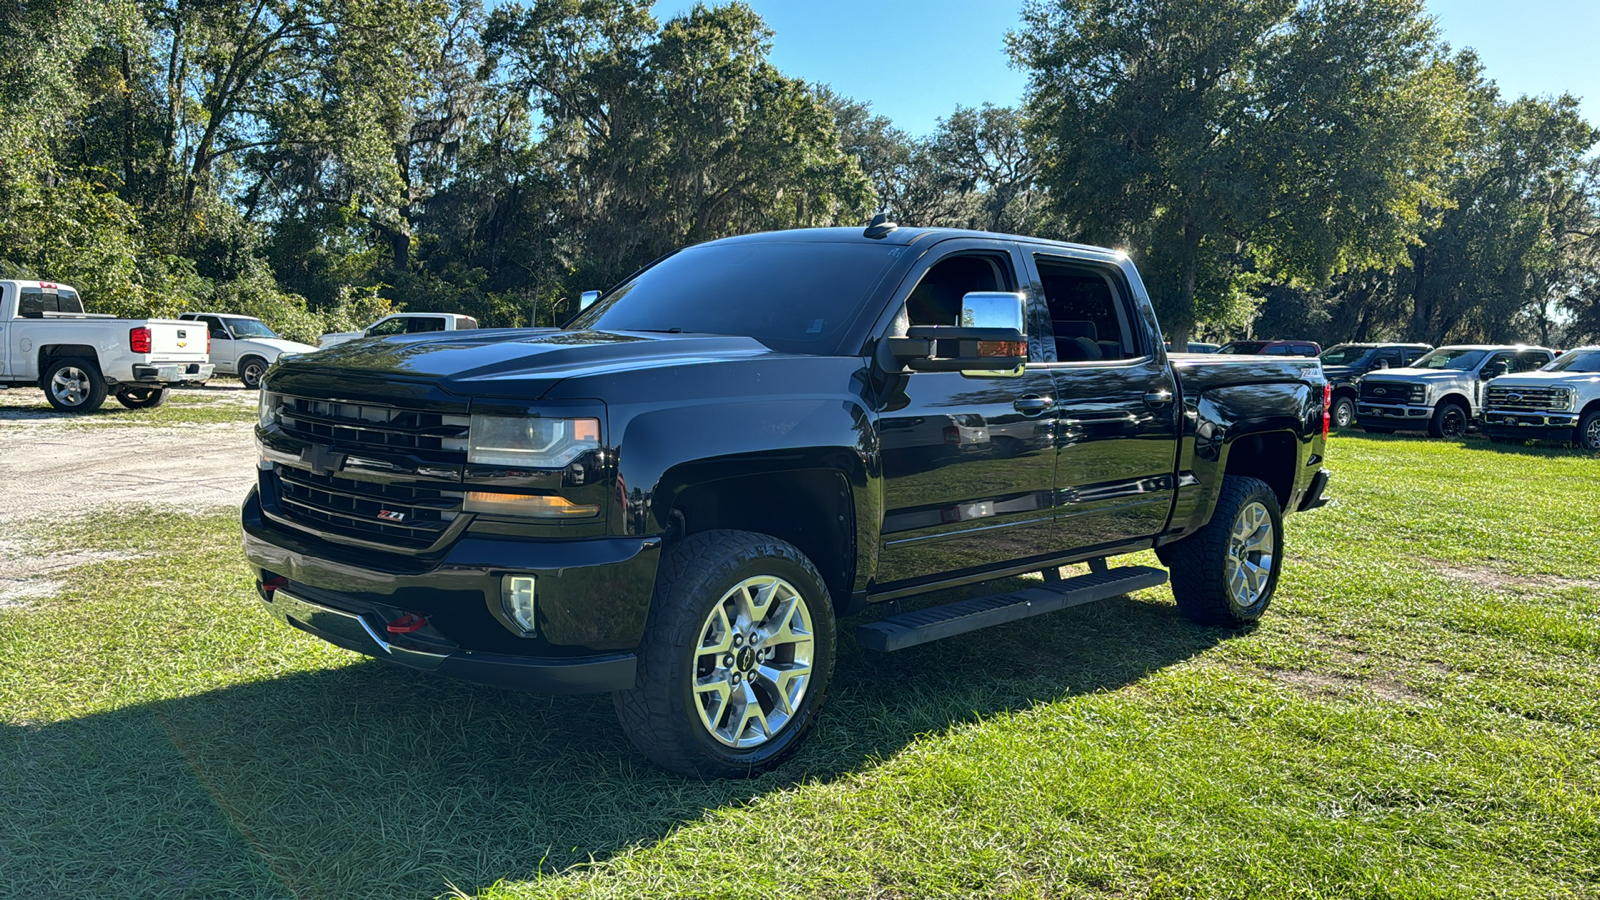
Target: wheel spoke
[712, 692]
[787, 682]
[718, 633]
[750, 713]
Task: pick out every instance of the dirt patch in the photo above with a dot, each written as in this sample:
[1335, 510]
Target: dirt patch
[25, 577]
[1323, 684]
[54, 469]
[1496, 580]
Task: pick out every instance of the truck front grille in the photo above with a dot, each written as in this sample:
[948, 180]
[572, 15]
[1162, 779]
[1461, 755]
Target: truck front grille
[400, 516]
[1392, 392]
[1531, 399]
[403, 516]
[437, 437]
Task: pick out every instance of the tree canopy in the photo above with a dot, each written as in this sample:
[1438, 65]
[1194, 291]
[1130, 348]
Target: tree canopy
[1321, 168]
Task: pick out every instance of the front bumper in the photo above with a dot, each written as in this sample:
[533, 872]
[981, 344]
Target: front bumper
[1551, 426]
[172, 373]
[1401, 416]
[592, 597]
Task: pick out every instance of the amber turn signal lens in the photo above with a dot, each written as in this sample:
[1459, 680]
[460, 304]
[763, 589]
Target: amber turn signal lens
[1002, 348]
[528, 505]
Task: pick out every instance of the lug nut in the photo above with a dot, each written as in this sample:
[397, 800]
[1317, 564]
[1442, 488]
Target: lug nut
[727, 660]
[738, 640]
[734, 678]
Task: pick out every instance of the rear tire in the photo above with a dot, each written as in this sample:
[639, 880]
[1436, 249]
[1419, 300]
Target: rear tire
[736, 657]
[251, 368]
[1449, 421]
[1226, 573]
[143, 398]
[74, 385]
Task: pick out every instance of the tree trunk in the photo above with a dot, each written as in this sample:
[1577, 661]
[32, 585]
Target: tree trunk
[1179, 327]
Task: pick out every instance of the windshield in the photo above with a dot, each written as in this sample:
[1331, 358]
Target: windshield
[1344, 355]
[1446, 358]
[1587, 360]
[791, 296]
[250, 328]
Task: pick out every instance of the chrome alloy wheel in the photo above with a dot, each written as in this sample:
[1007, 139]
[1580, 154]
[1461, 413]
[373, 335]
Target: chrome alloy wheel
[70, 386]
[752, 663]
[1250, 559]
[1591, 435]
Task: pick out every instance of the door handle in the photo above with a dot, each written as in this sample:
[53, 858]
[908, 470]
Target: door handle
[1033, 403]
[1158, 398]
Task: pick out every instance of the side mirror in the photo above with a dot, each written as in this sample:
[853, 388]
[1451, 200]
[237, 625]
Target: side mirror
[587, 299]
[1381, 364]
[1492, 370]
[989, 340]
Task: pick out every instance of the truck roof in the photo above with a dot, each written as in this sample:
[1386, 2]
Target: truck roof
[53, 285]
[901, 236]
[1491, 347]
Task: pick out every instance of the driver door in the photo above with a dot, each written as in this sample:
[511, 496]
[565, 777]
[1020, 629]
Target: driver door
[968, 459]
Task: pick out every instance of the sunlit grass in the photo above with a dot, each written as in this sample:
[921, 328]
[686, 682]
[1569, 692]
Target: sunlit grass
[1414, 718]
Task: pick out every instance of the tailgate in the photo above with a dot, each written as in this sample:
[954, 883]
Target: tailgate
[172, 340]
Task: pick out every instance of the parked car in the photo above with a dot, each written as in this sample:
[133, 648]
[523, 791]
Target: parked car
[1195, 347]
[243, 345]
[1271, 348]
[1443, 391]
[402, 323]
[1344, 364]
[78, 358]
[674, 496]
[1560, 402]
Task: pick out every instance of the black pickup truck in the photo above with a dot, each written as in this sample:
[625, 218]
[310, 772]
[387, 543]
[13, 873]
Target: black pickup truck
[677, 496]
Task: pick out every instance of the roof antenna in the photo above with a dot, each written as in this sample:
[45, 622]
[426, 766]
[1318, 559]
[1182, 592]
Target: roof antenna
[880, 227]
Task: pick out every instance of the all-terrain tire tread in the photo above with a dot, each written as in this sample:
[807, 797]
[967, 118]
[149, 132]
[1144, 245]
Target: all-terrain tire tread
[1197, 562]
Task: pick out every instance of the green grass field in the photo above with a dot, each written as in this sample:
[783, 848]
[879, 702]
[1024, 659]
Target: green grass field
[1416, 717]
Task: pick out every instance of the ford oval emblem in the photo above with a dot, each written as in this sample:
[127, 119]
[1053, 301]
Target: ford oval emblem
[1379, 391]
[1513, 398]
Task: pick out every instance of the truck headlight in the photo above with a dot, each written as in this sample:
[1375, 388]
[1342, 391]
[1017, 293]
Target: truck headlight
[1564, 398]
[534, 442]
[267, 409]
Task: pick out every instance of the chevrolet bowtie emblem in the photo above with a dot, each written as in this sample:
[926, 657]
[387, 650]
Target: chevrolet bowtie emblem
[322, 460]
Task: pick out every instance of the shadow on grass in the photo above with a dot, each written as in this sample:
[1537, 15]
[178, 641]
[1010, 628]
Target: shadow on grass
[369, 780]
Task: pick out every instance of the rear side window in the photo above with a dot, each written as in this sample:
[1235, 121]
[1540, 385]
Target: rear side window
[1088, 312]
[35, 303]
[426, 323]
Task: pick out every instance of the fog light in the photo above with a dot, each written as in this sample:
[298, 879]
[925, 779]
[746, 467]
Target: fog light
[516, 598]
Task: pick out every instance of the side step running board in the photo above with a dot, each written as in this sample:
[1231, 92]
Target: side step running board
[909, 629]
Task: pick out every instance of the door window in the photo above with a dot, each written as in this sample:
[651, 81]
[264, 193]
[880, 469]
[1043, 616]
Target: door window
[1088, 312]
[388, 327]
[425, 323]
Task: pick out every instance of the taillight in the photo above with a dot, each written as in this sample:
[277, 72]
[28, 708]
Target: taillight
[139, 339]
[1327, 407]
[208, 342]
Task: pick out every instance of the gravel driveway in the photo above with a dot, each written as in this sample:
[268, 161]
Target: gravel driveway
[60, 468]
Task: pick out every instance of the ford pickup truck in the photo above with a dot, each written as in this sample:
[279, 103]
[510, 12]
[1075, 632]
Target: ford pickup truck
[402, 323]
[1344, 364]
[679, 495]
[1441, 393]
[77, 358]
[1560, 402]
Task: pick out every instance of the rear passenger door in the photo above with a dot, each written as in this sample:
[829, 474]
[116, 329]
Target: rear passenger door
[968, 460]
[1117, 432]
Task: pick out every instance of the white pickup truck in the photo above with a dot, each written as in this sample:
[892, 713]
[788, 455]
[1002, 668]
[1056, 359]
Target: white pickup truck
[77, 358]
[402, 323]
[1560, 402]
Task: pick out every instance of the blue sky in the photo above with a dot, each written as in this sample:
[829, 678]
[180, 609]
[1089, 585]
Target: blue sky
[915, 60]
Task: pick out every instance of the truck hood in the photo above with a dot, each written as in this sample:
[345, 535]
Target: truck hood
[1427, 376]
[513, 363]
[1545, 379]
[274, 346]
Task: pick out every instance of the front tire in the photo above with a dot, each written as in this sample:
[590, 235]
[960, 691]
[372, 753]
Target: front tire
[251, 368]
[1588, 436]
[143, 398]
[1343, 413]
[736, 657]
[1449, 421]
[74, 385]
[1226, 573]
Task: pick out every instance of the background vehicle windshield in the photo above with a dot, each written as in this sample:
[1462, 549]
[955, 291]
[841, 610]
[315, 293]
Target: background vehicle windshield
[1445, 358]
[1576, 361]
[1343, 355]
[795, 297]
[1249, 348]
[250, 328]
